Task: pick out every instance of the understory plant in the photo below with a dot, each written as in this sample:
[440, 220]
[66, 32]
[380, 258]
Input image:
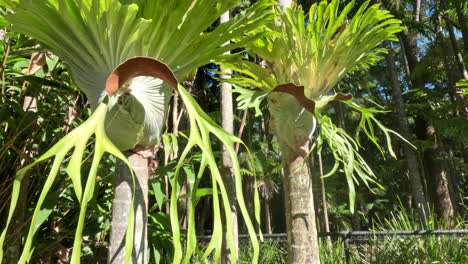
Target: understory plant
[415, 249]
[128, 57]
[304, 57]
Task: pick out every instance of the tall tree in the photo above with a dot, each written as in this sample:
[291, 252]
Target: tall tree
[412, 160]
[424, 129]
[299, 199]
[304, 62]
[227, 119]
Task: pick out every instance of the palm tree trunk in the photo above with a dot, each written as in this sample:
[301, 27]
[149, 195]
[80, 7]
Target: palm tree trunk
[227, 116]
[293, 129]
[417, 188]
[121, 203]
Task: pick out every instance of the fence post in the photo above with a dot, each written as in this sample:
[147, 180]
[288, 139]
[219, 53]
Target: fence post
[346, 250]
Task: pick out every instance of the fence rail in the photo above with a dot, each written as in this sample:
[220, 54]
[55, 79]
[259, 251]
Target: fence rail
[349, 236]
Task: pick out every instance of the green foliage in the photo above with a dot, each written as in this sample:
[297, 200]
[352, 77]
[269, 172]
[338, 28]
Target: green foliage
[93, 37]
[201, 126]
[317, 51]
[345, 152]
[463, 85]
[271, 252]
[326, 46]
[417, 249]
[76, 141]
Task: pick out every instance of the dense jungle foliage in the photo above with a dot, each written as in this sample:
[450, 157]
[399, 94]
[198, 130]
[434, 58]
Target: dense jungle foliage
[419, 89]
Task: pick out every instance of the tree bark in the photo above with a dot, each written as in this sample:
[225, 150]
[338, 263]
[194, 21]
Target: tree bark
[439, 184]
[417, 188]
[121, 203]
[417, 11]
[227, 116]
[293, 129]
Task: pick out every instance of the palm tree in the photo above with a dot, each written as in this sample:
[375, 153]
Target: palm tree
[126, 56]
[306, 56]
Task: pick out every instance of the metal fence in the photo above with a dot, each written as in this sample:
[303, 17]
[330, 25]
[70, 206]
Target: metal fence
[362, 242]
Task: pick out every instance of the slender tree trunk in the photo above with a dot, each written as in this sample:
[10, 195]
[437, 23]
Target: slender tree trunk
[324, 201]
[293, 129]
[120, 208]
[227, 116]
[462, 21]
[458, 55]
[450, 73]
[417, 188]
[409, 43]
[241, 129]
[417, 10]
[268, 216]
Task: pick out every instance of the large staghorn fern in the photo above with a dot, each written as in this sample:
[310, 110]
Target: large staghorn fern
[312, 53]
[94, 37]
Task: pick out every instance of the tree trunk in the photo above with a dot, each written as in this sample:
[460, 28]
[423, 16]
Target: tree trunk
[439, 184]
[462, 21]
[293, 129]
[324, 202]
[458, 55]
[268, 216]
[417, 188]
[417, 10]
[120, 209]
[423, 127]
[409, 39]
[450, 73]
[227, 116]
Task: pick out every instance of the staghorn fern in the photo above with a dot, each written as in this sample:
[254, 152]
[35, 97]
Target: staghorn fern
[314, 52]
[93, 37]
